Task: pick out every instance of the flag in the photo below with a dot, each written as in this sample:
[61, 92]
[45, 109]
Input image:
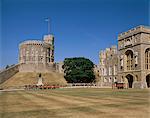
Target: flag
[47, 19]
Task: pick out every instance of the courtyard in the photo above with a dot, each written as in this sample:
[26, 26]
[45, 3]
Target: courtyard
[75, 103]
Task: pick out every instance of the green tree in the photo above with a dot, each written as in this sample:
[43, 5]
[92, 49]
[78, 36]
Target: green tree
[78, 70]
[7, 66]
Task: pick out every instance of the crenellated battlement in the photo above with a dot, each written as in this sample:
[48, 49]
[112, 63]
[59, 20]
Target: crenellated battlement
[31, 42]
[133, 31]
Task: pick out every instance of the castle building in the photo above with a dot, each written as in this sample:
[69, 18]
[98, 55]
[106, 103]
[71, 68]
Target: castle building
[134, 57]
[36, 55]
[131, 60]
[108, 65]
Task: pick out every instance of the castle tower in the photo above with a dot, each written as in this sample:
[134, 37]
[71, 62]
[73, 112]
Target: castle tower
[36, 55]
[134, 57]
[49, 40]
[108, 65]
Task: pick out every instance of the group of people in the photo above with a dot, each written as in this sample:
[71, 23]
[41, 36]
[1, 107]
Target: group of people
[28, 87]
[120, 85]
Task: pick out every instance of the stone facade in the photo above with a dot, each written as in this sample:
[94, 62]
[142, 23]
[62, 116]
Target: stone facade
[59, 68]
[36, 55]
[132, 59]
[5, 74]
[132, 47]
[108, 65]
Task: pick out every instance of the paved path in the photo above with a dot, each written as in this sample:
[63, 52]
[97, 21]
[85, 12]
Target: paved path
[5, 90]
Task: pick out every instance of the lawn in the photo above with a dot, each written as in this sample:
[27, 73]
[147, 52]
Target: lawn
[75, 103]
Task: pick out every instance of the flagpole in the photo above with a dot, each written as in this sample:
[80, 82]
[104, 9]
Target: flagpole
[48, 25]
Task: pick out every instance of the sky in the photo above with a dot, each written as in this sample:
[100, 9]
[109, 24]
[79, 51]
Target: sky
[81, 27]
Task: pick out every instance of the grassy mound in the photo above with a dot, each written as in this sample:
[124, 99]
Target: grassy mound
[30, 78]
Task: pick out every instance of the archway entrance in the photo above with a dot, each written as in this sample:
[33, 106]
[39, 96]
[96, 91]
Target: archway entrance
[148, 80]
[130, 80]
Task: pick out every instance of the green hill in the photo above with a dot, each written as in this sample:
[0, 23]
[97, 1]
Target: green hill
[30, 78]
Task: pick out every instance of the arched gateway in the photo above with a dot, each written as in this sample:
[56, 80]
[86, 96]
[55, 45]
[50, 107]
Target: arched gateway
[130, 80]
[148, 80]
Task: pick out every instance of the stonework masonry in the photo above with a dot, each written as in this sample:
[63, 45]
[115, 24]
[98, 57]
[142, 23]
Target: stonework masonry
[108, 65]
[9, 72]
[133, 58]
[59, 68]
[129, 63]
[36, 55]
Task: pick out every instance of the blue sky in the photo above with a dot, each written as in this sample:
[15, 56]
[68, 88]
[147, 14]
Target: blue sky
[80, 27]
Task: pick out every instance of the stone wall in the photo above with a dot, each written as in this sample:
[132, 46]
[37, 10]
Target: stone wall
[108, 65]
[7, 73]
[37, 51]
[134, 42]
[59, 68]
[36, 68]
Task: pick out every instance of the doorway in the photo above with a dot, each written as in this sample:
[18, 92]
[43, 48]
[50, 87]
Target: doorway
[130, 80]
[148, 81]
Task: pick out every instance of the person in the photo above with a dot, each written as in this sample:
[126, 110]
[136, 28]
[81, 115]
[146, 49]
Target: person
[115, 81]
[40, 75]
[40, 80]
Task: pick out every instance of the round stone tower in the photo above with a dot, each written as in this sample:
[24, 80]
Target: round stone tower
[36, 55]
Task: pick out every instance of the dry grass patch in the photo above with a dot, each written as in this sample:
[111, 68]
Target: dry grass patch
[30, 78]
[76, 103]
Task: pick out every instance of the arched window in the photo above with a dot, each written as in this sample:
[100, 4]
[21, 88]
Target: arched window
[147, 58]
[129, 55]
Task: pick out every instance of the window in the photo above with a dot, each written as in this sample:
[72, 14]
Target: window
[147, 58]
[129, 55]
[110, 70]
[115, 69]
[136, 58]
[121, 62]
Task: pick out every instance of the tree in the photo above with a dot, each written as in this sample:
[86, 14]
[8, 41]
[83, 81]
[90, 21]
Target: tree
[78, 70]
[7, 67]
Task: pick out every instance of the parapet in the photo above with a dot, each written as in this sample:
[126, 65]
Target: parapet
[31, 42]
[133, 31]
[48, 37]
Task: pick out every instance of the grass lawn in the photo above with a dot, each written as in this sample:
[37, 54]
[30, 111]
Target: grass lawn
[76, 103]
